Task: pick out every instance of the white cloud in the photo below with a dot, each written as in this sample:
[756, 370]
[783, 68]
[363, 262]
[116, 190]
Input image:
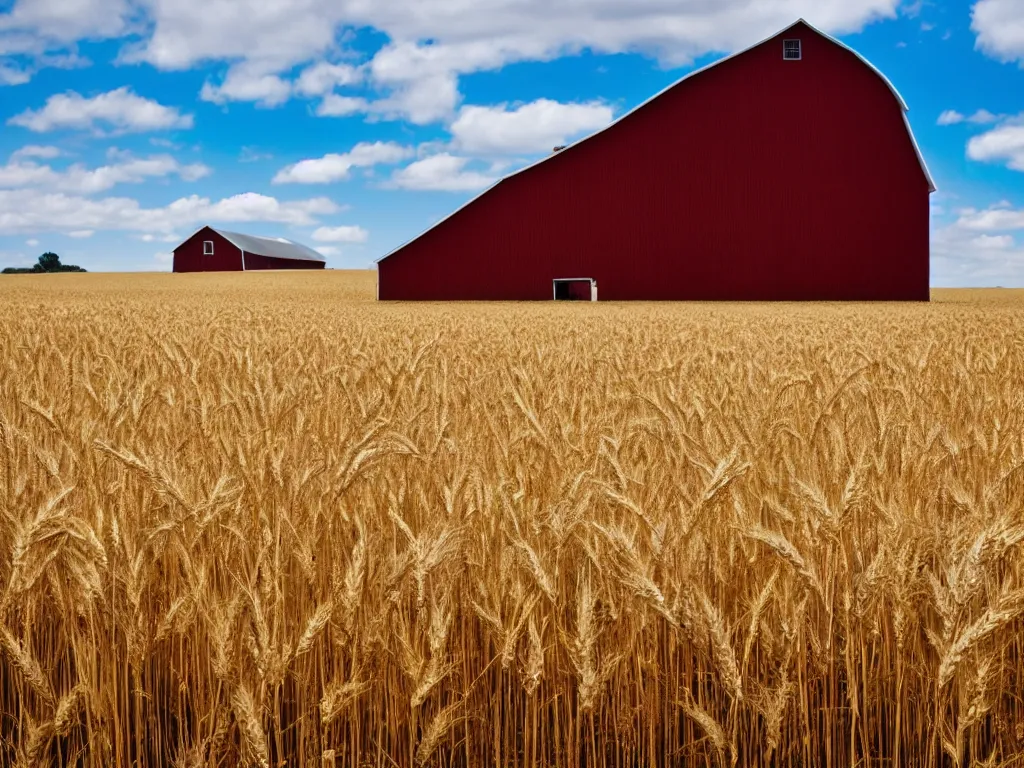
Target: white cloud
[444, 172]
[913, 9]
[961, 258]
[35, 150]
[530, 128]
[322, 78]
[13, 75]
[996, 242]
[246, 82]
[78, 179]
[999, 26]
[433, 42]
[997, 218]
[345, 234]
[32, 243]
[121, 110]
[26, 211]
[335, 167]
[39, 25]
[82, 233]
[981, 117]
[1004, 143]
[335, 105]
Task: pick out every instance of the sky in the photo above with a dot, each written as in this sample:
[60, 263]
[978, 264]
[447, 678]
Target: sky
[353, 125]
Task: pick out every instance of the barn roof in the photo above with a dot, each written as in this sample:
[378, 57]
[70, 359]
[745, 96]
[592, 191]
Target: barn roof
[872, 67]
[275, 247]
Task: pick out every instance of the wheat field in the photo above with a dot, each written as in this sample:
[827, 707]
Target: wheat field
[263, 520]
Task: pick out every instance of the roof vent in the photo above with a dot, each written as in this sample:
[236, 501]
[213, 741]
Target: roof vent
[558, 149]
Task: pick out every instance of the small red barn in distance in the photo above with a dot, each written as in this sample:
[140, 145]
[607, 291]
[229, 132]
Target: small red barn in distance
[787, 171]
[216, 250]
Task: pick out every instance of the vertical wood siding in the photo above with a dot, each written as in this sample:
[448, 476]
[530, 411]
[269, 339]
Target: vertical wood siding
[760, 179]
[255, 261]
[227, 257]
[188, 257]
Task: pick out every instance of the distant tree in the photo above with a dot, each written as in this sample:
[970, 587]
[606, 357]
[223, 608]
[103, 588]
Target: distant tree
[48, 262]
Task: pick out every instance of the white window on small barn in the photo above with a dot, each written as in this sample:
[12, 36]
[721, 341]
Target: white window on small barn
[791, 50]
[207, 247]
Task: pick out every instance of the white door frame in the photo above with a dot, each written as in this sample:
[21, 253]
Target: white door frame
[557, 280]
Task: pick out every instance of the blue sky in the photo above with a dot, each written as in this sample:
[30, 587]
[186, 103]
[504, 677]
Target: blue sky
[352, 125]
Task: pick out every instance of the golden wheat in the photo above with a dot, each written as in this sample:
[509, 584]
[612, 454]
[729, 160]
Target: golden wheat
[260, 519]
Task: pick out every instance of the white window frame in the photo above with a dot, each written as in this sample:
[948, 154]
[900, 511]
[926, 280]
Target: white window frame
[799, 49]
[207, 247]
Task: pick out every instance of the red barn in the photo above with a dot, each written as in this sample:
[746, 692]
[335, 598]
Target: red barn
[215, 250]
[787, 171]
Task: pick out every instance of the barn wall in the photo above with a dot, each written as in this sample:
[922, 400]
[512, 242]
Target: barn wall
[188, 257]
[254, 261]
[759, 179]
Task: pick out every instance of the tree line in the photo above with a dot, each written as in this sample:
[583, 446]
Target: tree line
[48, 262]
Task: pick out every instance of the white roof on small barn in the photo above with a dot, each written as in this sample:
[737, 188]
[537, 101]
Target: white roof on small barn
[275, 247]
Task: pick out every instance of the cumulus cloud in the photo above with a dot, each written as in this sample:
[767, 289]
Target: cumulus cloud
[1001, 217]
[338, 167]
[322, 78]
[962, 258]
[441, 172]
[344, 234]
[118, 111]
[28, 211]
[81, 180]
[41, 25]
[35, 150]
[32, 242]
[335, 105]
[433, 42]
[82, 234]
[529, 128]
[10, 75]
[981, 117]
[999, 27]
[1004, 143]
[248, 83]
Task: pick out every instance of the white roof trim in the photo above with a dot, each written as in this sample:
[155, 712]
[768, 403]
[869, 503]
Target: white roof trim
[872, 67]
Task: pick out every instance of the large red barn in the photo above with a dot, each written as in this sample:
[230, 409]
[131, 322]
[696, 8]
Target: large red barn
[787, 171]
[217, 250]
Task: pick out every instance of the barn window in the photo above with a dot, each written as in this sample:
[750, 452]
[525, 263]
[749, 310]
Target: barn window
[207, 247]
[791, 50]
